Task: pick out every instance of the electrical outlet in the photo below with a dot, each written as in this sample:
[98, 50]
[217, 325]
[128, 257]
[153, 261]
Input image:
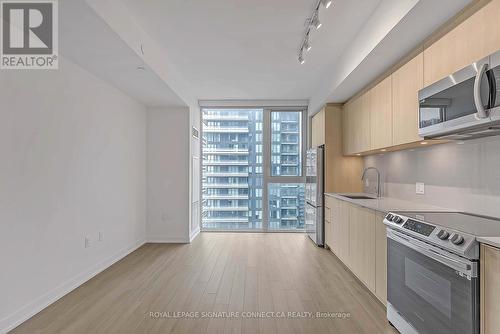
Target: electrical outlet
[101, 236]
[420, 188]
[88, 242]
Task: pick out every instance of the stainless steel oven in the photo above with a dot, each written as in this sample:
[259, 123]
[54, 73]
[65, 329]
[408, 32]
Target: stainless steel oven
[430, 290]
[432, 273]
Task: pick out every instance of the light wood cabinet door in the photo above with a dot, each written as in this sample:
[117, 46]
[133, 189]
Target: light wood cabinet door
[406, 82]
[328, 222]
[380, 259]
[334, 214]
[349, 126]
[362, 244]
[346, 150]
[490, 289]
[318, 129]
[362, 124]
[328, 233]
[357, 135]
[473, 39]
[354, 239]
[380, 110]
[368, 253]
[341, 229]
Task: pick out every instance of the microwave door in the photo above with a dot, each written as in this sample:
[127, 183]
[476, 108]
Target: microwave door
[449, 105]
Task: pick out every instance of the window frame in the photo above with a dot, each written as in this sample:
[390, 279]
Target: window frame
[268, 178]
[266, 154]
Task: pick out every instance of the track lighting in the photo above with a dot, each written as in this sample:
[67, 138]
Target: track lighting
[326, 3]
[315, 21]
[312, 21]
[307, 46]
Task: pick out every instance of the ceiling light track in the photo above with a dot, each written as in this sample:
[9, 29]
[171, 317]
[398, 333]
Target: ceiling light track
[312, 22]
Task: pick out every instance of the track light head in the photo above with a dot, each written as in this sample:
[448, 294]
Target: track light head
[301, 59]
[307, 45]
[315, 22]
[326, 3]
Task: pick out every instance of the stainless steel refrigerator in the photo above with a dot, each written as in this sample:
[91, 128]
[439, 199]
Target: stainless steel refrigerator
[314, 194]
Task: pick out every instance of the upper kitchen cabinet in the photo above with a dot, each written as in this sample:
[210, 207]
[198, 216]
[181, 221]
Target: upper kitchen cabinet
[318, 128]
[348, 126]
[473, 39]
[363, 120]
[357, 128]
[406, 82]
[380, 109]
[341, 173]
[386, 116]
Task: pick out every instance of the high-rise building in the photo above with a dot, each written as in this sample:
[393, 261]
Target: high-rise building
[233, 170]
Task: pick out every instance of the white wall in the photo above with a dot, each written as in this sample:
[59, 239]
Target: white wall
[458, 175]
[72, 164]
[168, 163]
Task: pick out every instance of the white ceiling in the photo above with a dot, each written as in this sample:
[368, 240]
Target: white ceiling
[241, 49]
[102, 52]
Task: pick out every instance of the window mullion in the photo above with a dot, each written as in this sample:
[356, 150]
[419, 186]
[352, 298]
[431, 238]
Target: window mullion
[266, 168]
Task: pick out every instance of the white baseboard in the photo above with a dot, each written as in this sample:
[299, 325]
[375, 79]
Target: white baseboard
[167, 239]
[18, 317]
[194, 234]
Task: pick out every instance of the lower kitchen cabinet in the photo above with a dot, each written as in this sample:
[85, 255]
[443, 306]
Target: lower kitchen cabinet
[340, 230]
[380, 259]
[490, 289]
[362, 244]
[357, 237]
[337, 227]
[328, 222]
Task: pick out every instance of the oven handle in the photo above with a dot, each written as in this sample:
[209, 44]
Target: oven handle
[462, 267]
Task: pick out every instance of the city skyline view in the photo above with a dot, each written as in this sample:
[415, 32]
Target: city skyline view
[233, 188]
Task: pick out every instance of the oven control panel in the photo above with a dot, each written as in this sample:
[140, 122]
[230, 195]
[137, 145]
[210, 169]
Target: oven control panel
[453, 241]
[419, 227]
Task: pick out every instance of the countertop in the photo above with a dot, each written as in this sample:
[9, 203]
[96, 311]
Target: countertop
[492, 241]
[387, 204]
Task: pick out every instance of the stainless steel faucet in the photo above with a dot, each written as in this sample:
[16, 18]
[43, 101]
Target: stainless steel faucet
[378, 178]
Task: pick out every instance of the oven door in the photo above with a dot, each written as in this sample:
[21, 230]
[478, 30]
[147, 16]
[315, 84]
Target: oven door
[431, 291]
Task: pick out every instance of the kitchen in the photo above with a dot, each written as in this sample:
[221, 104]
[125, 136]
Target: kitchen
[418, 227]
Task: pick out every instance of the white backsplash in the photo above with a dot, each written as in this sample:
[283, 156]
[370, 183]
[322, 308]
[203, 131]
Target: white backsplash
[463, 176]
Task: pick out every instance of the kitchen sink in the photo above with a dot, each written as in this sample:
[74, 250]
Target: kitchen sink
[358, 196]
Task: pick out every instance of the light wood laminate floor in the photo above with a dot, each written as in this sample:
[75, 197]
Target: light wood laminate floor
[219, 272]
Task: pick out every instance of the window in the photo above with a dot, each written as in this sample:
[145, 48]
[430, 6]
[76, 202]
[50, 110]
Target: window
[286, 206]
[252, 163]
[286, 146]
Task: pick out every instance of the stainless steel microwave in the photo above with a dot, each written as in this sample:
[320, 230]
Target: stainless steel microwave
[464, 105]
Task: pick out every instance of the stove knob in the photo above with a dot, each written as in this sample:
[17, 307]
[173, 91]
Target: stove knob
[389, 217]
[398, 220]
[443, 235]
[457, 239]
